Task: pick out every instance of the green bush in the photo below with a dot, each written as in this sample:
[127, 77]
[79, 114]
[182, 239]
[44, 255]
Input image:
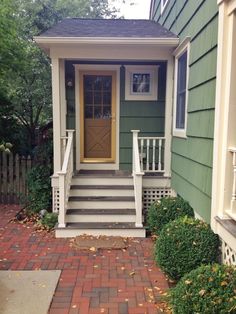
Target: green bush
[209, 289]
[39, 188]
[49, 220]
[165, 210]
[185, 244]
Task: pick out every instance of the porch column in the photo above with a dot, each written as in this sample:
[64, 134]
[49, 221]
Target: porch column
[56, 110]
[62, 96]
[168, 115]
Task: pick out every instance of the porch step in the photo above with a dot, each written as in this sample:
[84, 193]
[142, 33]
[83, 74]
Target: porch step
[101, 202]
[102, 190]
[102, 178]
[101, 228]
[101, 215]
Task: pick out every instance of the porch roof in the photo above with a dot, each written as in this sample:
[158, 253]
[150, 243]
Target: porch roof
[108, 28]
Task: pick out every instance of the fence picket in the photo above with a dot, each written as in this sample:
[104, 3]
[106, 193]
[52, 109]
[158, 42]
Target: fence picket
[13, 173]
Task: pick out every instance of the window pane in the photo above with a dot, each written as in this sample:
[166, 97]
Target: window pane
[141, 83]
[181, 91]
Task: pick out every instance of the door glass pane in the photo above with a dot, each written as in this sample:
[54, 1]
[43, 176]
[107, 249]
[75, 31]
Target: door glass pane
[106, 112]
[97, 112]
[88, 98]
[88, 112]
[97, 95]
[107, 98]
[106, 83]
[88, 82]
[97, 83]
[97, 98]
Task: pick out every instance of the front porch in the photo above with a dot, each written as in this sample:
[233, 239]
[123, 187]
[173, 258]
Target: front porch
[109, 202]
[105, 89]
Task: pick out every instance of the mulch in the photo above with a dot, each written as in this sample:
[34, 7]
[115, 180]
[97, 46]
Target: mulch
[108, 281]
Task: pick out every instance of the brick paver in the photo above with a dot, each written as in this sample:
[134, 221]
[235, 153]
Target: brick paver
[106, 281]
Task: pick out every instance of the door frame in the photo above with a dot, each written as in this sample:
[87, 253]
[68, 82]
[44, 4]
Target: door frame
[97, 163]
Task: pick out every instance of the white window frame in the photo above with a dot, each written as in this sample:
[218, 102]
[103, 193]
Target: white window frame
[134, 69]
[163, 5]
[180, 50]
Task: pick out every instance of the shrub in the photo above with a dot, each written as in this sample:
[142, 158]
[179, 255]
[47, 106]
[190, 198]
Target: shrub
[165, 210]
[49, 220]
[206, 290]
[39, 188]
[185, 244]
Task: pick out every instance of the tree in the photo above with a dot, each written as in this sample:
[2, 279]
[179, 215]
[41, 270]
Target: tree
[25, 78]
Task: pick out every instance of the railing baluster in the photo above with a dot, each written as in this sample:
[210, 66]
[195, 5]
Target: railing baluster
[159, 158]
[153, 155]
[147, 159]
[233, 199]
[141, 153]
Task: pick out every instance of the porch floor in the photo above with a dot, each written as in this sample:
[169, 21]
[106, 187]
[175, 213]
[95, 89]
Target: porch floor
[106, 281]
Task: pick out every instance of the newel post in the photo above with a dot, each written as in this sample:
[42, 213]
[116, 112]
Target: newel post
[61, 216]
[135, 142]
[137, 178]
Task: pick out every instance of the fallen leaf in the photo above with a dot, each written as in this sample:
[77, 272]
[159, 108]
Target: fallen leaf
[202, 292]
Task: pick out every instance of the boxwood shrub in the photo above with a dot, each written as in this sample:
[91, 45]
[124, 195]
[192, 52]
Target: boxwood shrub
[185, 244]
[206, 290]
[165, 210]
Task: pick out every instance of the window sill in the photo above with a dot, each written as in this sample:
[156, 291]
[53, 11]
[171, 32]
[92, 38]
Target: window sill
[180, 133]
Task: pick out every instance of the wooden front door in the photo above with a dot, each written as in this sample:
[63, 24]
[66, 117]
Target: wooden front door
[98, 116]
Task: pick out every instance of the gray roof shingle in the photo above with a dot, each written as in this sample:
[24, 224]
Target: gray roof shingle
[76, 27]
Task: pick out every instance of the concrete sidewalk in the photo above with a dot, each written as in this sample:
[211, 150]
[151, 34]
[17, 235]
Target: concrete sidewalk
[107, 281]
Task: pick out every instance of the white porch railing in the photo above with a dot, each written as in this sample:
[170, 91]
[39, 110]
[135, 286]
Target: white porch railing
[148, 155]
[232, 211]
[65, 176]
[151, 154]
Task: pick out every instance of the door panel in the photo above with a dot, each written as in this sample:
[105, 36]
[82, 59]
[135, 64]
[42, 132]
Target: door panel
[98, 115]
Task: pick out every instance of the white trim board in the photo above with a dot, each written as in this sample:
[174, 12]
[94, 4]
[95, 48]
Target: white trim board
[184, 46]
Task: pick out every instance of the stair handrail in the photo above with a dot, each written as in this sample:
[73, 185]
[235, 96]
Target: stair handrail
[137, 178]
[65, 177]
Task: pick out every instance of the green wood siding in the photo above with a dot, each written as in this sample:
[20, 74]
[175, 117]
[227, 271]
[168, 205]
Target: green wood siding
[146, 116]
[192, 157]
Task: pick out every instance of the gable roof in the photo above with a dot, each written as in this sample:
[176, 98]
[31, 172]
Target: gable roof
[107, 28]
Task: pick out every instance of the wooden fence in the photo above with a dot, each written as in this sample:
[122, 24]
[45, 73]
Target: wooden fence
[13, 173]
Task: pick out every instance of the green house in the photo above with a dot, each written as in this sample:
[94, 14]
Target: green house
[142, 110]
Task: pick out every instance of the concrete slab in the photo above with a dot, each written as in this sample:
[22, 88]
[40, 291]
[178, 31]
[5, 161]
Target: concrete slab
[27, 292]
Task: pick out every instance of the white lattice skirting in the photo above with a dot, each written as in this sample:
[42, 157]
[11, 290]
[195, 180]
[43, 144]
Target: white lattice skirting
[56, 199]
[150, 195]
[228, 255]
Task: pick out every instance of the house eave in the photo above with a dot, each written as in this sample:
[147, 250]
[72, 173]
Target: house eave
[48, 41]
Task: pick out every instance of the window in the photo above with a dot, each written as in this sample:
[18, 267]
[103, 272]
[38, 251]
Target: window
[181, 91]
[141, 83]
[163, 5]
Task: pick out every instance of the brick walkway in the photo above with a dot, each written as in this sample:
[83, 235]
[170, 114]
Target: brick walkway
[106, 281]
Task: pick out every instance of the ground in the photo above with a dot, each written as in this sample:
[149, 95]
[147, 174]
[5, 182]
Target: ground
[107, 281]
